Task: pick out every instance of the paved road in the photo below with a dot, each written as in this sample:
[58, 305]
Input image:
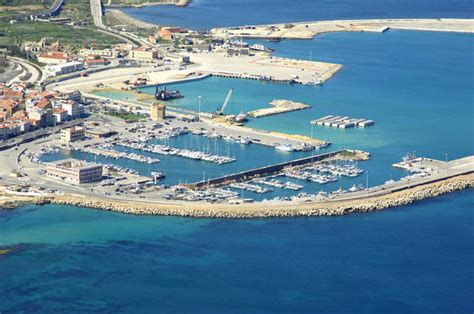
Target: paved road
[33, 69]
[96, 11]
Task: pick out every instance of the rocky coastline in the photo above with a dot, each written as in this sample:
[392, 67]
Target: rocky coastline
[264, 210]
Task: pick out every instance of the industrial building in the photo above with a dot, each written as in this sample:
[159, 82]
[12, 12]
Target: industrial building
[64, 68]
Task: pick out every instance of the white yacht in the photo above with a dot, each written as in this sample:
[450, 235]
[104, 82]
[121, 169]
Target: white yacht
[285, 147]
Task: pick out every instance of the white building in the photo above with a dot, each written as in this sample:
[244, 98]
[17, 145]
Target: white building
[74, 110]
[72, 134]
[60, 115]
[65, 68]
[105, 53]
[74, 171]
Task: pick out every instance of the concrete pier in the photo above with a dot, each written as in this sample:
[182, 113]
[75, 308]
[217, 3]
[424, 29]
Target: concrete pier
[267, 170]
[278, 106]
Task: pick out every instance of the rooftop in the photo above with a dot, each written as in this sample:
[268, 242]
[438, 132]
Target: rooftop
[72, 163]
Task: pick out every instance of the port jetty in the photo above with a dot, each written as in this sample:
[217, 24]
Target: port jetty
[369, 203]
[452, 176]
[278, 106]
[308, 30]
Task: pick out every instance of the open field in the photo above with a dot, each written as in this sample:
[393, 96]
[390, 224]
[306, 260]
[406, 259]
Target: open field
[66, 35]
[22, 7]
[126, 116]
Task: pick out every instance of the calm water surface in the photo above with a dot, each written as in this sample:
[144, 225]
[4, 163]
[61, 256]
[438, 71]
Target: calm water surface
[206, 14]
[415, 259]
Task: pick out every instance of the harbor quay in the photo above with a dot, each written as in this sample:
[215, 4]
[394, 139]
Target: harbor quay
[310, 29]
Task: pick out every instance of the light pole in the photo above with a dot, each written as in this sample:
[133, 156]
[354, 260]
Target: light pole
[446, 164]
[367, 180]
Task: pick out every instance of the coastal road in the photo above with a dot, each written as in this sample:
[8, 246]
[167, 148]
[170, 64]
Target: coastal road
[96, 12]
[31, 68]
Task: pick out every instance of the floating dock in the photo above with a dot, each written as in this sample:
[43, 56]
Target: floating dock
[342, 122]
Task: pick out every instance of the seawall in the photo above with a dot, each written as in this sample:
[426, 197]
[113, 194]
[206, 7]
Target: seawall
[267, 210]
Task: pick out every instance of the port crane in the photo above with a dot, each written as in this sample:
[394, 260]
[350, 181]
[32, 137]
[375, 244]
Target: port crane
[220, 110]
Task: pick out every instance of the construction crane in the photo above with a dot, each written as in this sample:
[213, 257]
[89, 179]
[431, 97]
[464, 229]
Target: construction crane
[220, 110]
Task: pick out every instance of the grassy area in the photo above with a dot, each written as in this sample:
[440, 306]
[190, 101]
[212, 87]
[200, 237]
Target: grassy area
[10, 8]
[66, 35]
[45, 3]
[126, 116]
[78, 10]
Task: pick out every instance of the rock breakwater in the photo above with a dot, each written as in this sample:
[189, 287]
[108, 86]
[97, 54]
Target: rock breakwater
[264, 210]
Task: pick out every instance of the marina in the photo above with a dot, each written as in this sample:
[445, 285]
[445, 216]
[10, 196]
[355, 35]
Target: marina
[323, 172]
[342, 122]
[229, 200]
[107, 150]
[167, 150]
[250, 187]
[273, 182]
[259, 172]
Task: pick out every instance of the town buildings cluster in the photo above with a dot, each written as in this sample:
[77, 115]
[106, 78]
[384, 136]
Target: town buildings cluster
[57, 60]
[23, 109]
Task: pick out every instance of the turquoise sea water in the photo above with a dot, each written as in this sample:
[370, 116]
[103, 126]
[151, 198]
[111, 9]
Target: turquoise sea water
[417, 86]
[206, 14]
[415, 259]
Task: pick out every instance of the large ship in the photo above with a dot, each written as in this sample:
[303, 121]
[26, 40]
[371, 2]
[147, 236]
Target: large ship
[164, 95]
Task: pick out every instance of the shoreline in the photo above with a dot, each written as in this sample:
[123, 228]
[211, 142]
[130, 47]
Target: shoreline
[127, 19]
[310, 29]
[260, 210]
[178, 3]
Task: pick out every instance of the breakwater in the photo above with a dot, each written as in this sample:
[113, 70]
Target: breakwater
[252, 173]
[281, 209]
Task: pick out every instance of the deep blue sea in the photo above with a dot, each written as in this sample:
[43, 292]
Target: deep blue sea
[417, 86]
[416, 259]
[207, 14]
